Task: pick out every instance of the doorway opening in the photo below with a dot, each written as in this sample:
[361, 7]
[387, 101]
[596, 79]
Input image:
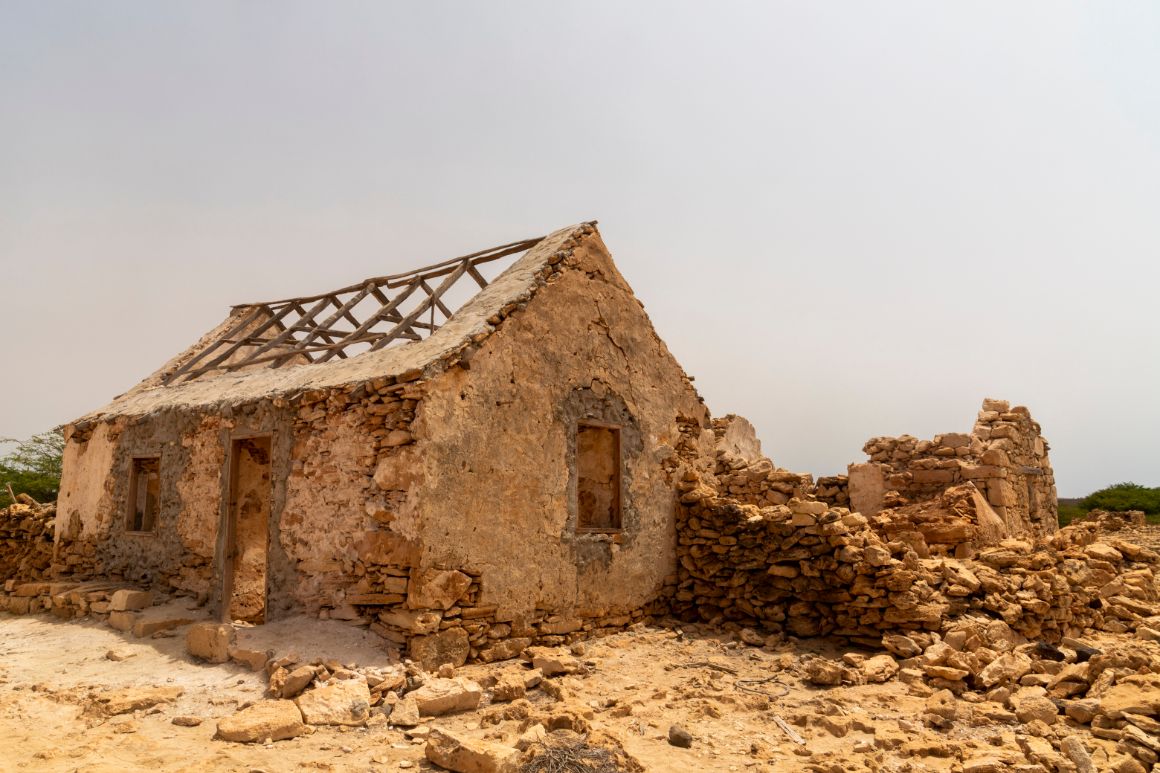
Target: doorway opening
[247, 536]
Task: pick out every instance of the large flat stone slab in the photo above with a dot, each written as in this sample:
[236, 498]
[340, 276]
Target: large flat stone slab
[272, 720]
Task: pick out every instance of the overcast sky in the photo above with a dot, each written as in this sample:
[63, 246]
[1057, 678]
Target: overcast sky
[845, 219]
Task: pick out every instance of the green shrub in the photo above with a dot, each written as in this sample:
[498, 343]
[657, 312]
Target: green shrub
[1069, 513]
[33, 467]
[1123, 496]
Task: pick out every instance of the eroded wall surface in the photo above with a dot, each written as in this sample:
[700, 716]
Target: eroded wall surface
[325, 447]
[94, 537]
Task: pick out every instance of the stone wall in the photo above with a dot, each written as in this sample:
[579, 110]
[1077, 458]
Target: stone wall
[487, 494]
[26, 530]
[809, 569]
[326, 447]
[834, 490]
[1004, 456]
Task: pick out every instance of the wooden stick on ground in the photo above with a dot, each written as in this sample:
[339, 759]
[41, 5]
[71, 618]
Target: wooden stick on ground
[789, 731]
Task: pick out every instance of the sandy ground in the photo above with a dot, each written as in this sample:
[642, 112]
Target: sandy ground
[638, 684]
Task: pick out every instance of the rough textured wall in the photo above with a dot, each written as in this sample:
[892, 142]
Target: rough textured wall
[85, 500]
[325, 448]
[496, 487]
[333, 511]
[197, 505]
[1005, 456]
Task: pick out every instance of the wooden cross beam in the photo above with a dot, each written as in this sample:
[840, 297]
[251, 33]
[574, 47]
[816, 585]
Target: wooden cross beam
[277, 332]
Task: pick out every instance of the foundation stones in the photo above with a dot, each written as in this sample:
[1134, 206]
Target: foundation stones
[449, 647]
[504, 649]
[126, 600]
[411, 621]
[436, 589]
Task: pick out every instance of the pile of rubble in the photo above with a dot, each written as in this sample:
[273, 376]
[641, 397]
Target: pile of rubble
[758, 481]
[834, 490]
[958, 522]
[120, 605]
[26, 530]
[982, 672]
[315, 693]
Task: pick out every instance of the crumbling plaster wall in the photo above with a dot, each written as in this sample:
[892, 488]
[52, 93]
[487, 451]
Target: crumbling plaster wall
[92, 530]
[496, 447]
[325, 447]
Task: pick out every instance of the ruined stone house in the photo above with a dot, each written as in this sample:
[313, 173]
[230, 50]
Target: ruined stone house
[455, 479]
[533, 466]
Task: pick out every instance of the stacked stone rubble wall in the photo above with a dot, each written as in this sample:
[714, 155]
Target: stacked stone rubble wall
[26, 530]
[834, 490]
[810, 569]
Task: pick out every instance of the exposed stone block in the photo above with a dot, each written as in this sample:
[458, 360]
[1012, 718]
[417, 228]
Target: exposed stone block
[210, 641]
[126, 600]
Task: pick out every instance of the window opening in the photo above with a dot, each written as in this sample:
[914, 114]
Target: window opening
[598, 466]
[144, 494]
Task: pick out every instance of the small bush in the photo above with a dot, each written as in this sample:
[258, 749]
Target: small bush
[33, 467]
[1123, 496]
[1069, 513]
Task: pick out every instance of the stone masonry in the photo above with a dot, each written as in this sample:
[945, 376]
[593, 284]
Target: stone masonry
[1005, 456]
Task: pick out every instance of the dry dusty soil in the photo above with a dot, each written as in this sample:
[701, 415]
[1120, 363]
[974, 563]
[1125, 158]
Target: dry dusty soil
[633, 686]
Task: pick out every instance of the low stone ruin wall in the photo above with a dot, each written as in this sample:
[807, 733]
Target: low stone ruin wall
[1115, 520]
[26, 540]
[1005, 456]
[834, 490]
[809, 569]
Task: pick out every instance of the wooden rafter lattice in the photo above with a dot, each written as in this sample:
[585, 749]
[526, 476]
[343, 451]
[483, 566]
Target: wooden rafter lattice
[367, 316]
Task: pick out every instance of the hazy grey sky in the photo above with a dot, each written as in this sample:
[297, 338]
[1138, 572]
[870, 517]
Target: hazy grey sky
[846, 219]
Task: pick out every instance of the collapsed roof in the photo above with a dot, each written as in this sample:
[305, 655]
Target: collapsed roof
[380, 327]
[277, 333]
